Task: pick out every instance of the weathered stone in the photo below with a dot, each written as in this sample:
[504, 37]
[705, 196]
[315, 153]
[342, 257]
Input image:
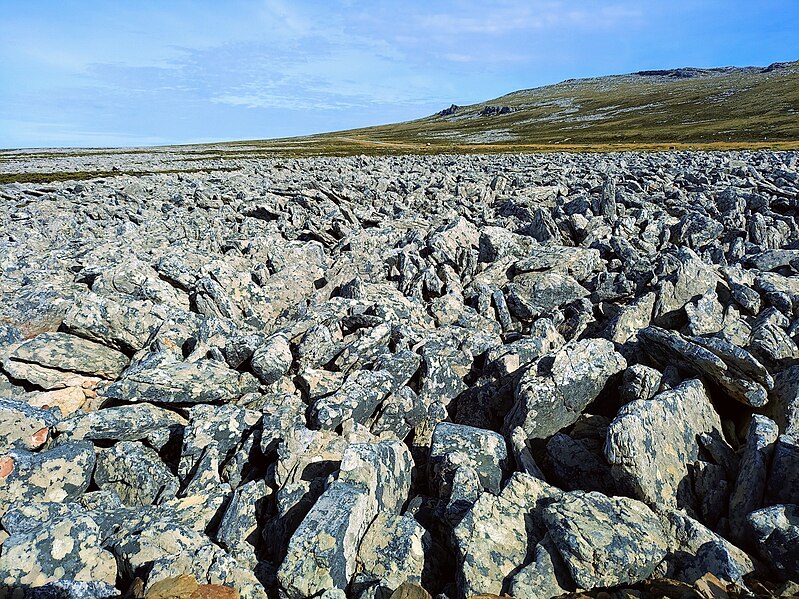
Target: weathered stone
[576, 262]
[494, 537]
[58, 474]
[555, 390]
[694, 550]
[162, 380]
[713, 358]
[639, 382]
[136, 422]
[63, 549]
[272, 359]
[136, 473]
[393, 550]
[776, 533]
[126, 327]
[545, 576]
[750, 486]
[533, 294]
[605, 541]
[322, 551]
[357, 398]
[783, 478]
[53, 355]
[783, 406]
[23, 426]
[651, 443]
[483, 450]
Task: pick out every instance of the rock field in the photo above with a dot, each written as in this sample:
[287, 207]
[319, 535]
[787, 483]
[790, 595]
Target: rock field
[357, 377]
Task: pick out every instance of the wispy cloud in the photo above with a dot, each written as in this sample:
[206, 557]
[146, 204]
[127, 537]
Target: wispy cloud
[189, 69]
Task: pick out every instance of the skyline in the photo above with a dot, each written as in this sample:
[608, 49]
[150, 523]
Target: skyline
[96, 74]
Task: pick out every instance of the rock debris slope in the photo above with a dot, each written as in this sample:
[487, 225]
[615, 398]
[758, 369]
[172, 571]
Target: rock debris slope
[512, 374]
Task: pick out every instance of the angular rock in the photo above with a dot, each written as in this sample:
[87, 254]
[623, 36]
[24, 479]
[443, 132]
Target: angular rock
[67, 549]
[555, 390]
[136, 473]
[483, 450]
[393, 551]
[494, 537]
[23, 426]
[605, 541]
[272, 359]
[783, 478]
[165, 381]
[706, 357]
[776, 533]
[532, 294]
[651, 443]
[750, 486]
[694, 550]
[59, 474]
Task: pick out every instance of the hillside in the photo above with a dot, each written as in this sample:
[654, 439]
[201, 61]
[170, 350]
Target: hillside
[687, 106]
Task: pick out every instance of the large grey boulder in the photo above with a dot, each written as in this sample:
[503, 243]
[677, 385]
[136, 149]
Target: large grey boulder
[775, 531]
[494, 537]
[554, 391]
[652, 442]
[605, 541]
[783, 477]
[731, 367]
[161, 379]
[323, 550]
[59, 474]
[484, 451]
[393, 551]
[64, 549]
[322, 553]
[750, 486]
[123, 326]
[40, 359]
[695, 550]
[136, 473]
[534, 293]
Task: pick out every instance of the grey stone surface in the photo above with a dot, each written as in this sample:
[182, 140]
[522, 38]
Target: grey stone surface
[555, 390]
[482, 450]
[605, 541]
[494, 537]
[63, 549]
[775, 531]
[750, 486]
[164, 380]
[136, 473]
[695, 550]
[783, 477]
[59, 474]
[334, 356]
[651, 443]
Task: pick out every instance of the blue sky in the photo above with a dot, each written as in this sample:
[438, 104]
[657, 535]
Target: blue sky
[114, 73]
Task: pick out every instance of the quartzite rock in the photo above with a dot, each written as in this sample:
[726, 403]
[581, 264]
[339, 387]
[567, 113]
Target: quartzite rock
[605, 541]
[555, 390]
[651, 443]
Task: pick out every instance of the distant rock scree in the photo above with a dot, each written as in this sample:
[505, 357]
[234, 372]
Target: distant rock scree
[447, 376]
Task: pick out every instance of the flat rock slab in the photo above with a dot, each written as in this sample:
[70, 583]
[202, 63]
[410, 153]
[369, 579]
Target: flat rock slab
[59, 474]
[61, 351]
[184, 383]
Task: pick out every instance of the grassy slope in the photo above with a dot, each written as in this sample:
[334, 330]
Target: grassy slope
[748, 108]
[734, 108]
